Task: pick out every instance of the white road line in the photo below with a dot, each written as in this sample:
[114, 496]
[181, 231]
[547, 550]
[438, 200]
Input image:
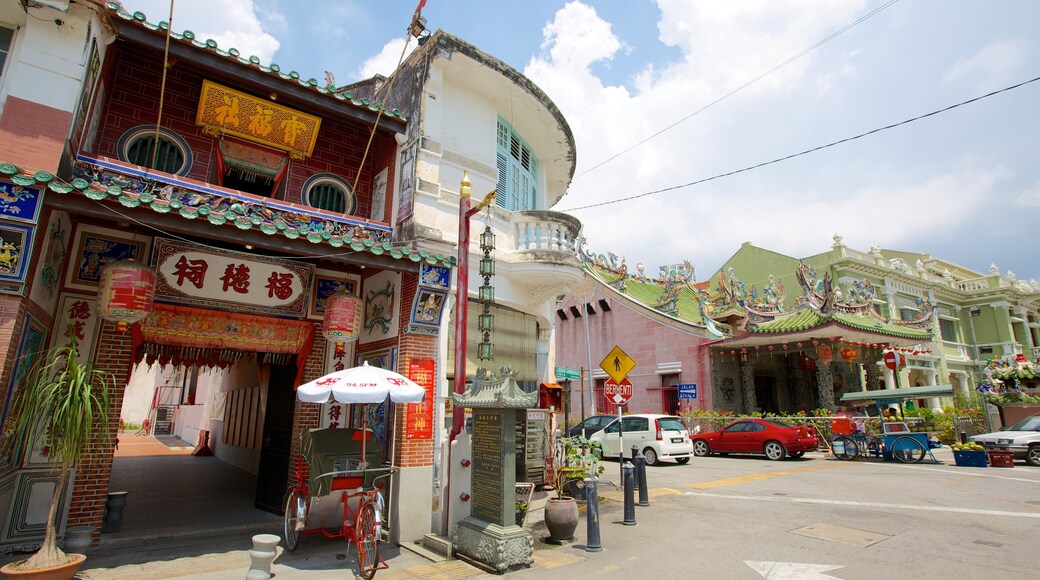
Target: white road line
[895, 506]
[935, 469]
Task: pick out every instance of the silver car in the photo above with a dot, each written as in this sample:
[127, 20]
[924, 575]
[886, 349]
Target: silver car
[1022, 439]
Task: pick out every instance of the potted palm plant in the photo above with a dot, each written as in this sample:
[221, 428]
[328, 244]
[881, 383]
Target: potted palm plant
[66, 402]
[574, 459]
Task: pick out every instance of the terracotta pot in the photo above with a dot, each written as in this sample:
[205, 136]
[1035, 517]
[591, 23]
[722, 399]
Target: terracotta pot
[561, 518]
[63, 572]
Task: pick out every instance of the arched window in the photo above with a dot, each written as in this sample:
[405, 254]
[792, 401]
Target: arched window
[137, 146]
[330, 193]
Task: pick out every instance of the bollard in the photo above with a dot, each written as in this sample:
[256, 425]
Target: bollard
[592, 516]
[635, 479]
[261, 556]
[644, 493]
[630, 502]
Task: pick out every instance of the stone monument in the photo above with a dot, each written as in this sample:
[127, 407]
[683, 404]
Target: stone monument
[490, 536]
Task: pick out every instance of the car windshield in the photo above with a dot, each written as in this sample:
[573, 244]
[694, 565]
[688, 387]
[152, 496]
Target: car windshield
[1027, 424]
[671, 424]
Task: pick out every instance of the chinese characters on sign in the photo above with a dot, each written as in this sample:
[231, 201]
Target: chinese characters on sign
[419, 416]
[205, 277]
[77, 320]
[223, 110]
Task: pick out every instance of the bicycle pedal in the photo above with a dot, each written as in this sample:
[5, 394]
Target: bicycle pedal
[299, 526]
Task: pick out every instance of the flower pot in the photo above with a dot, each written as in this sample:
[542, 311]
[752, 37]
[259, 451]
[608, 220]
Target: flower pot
[78, 539]
[561, 518]
[63, 572]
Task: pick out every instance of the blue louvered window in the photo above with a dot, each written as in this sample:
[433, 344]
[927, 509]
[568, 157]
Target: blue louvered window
[517, 170]
[6, 35]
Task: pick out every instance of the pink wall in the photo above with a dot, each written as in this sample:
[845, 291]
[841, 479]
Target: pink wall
[647, 340]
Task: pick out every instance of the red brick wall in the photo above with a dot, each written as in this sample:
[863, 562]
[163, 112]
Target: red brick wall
[91, 489]
[133, 100]
[32, 135]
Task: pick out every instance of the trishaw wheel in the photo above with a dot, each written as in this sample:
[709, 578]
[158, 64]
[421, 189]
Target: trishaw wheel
[908, 450]
[844, 448]
[366, 535]
[294, 509]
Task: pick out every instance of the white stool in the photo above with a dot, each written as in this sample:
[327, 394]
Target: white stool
[261, 556]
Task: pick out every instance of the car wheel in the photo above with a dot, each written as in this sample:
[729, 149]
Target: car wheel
[650, 455]
[1033, 456]
[682, 460]
[774, 450]
[701, 448]
[797, 454]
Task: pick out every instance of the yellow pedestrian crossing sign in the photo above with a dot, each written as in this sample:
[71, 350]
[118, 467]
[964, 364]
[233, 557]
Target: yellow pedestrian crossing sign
[617, 364]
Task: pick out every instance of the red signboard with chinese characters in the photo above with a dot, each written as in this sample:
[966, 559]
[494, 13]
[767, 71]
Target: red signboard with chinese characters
[419, 416]
[202, 276]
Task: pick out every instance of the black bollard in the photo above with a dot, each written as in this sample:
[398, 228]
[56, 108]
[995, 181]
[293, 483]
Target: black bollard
[644, 493]
[630, 501]
[592, 516]
[635, 451]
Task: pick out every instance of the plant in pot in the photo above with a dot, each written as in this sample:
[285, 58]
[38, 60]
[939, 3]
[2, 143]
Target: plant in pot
[574, 459]
[65, 404]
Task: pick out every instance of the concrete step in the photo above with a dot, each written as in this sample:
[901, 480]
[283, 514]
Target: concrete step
[438, 545]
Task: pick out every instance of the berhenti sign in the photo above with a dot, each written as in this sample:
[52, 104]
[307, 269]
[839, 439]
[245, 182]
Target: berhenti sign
[188, 273]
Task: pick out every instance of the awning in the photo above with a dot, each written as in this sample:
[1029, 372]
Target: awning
[900, 394]
[551, 386]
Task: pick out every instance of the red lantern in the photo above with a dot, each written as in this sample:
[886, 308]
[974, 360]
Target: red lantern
[125, 293]
[849, 354]
[342, 322]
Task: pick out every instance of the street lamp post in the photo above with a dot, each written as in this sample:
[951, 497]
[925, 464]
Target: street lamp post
[974, 311]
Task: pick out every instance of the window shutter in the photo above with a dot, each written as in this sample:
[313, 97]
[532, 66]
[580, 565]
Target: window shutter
[503, 178]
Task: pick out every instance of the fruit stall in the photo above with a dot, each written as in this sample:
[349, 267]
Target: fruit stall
[909, 442]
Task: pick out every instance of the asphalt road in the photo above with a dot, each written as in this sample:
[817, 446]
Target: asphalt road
[816, 517]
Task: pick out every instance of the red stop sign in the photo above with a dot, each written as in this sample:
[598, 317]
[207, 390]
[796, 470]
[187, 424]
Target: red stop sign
[893, 360]
[617, 393]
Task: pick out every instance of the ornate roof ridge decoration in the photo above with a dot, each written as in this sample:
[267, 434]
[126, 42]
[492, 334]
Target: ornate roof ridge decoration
[606, 267]
[675, 279]
[233, 55]
[489, 391]
[105, 180]
[822, 302]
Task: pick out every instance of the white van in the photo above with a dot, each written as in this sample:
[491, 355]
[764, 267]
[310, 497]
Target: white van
[657, 436]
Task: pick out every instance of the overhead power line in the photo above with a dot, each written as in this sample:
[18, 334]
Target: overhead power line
[807, 151]
[804, 52]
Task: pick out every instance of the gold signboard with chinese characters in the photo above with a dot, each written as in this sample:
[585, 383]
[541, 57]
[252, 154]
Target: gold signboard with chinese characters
[223, 110]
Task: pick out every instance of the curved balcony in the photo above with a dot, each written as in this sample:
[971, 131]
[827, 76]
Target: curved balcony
[545, 248]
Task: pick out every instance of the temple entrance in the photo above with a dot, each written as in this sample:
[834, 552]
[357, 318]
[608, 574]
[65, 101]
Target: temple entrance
[273, 471]
[765, 394]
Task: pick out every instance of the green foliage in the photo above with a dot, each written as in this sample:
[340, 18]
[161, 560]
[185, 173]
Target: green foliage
[575, 458]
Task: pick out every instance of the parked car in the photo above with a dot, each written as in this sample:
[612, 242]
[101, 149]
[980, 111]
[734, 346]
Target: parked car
[591, 424]
[1022, 439]
[775, 439]
[657, 436]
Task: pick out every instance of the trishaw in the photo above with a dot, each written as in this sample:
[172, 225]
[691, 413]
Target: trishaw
[338, 474]
[897, 441]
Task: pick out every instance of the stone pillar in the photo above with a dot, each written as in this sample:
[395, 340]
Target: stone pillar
[873, 374]
[933, 402]
[747, 384]
[825, 385]
[802, 390]
[890, 378]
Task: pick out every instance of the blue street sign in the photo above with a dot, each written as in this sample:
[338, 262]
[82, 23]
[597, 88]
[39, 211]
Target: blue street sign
[688, 391]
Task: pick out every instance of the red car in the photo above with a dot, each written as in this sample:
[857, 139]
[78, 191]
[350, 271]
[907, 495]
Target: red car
[771, 437]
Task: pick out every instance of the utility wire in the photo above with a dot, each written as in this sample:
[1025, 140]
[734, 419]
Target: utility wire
[743, 86]
[807, 151]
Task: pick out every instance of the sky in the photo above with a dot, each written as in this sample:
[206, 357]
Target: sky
[712, 87]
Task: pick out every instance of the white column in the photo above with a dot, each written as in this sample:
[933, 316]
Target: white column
[933, 402]
[890, 378]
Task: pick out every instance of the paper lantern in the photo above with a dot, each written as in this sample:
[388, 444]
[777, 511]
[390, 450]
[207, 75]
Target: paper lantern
[125, 293]
[342, 321]
[849, 354]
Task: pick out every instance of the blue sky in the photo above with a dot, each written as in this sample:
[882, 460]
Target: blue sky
[963, 186]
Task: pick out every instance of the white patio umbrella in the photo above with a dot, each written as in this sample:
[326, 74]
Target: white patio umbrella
[363, 384]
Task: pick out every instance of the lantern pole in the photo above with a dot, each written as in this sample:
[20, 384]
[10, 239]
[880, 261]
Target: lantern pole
[466, 211]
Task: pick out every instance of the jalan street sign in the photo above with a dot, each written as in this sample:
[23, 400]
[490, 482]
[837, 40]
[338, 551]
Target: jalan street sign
[617, 364]
[566, 373]
[688, 391]
[617, 392]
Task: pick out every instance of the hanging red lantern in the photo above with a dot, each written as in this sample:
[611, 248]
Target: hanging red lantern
[784, 347]
[125, 293]
[849, 354]
[342, 322]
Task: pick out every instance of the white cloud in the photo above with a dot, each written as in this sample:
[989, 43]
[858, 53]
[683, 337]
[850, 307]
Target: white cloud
[386, 61]
[1029, 198]
[232, 23]
[995, 65]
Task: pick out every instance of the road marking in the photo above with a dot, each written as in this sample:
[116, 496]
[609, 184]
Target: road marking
[970, 474]
[758, 476]
[792, 570]
[895, 506]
